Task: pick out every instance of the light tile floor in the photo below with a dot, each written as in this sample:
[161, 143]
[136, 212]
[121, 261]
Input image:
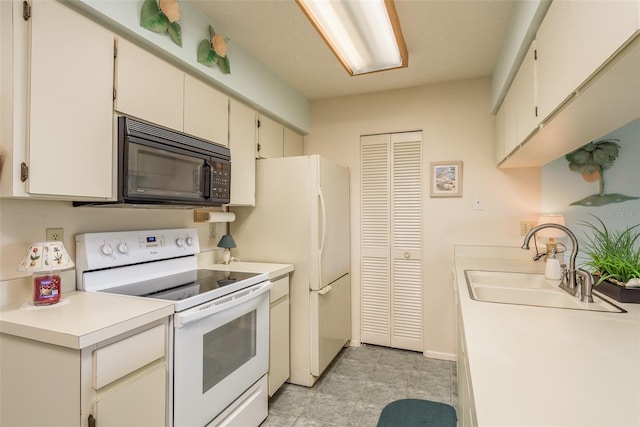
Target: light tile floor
[358, 384]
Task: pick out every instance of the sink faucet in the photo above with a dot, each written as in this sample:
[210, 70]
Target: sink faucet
[572, 278]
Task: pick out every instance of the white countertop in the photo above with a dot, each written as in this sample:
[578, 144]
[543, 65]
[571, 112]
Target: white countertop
[273, 270]
[537, 366]
[81, 319]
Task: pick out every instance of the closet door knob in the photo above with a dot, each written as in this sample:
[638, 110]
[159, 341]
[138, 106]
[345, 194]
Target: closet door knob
[407, 255]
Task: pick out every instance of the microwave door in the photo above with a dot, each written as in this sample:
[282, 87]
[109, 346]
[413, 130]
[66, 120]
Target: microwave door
[154, 172]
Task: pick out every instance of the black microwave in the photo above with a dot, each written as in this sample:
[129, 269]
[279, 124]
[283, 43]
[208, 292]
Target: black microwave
[158, 167]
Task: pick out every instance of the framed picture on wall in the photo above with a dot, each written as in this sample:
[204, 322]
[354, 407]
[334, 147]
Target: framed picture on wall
[446, 179]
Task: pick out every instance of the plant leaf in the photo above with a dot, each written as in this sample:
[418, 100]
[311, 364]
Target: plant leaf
[206, 55]
[225, 66]
[579, 156]
[152, 18]
[175, 32]
[212, 32]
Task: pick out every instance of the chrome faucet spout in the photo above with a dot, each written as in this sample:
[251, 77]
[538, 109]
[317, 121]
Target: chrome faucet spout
[569, 281]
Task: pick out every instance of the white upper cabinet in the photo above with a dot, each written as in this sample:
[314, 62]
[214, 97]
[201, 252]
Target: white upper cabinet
[524, 91]
[69, 142]
[580, 47]
[242, 143]
[553, 69]
[597, 29]
[506, 127]
[292, 144]
[206, 111]
[148, 87]
[270, 138]
[151, 89]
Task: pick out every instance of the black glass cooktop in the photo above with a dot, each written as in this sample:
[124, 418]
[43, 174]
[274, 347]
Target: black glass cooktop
[184, 285]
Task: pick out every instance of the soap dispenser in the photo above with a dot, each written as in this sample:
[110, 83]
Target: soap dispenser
[552, 268]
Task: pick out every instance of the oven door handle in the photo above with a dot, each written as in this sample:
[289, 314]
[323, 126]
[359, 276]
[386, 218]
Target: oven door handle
[221, 304]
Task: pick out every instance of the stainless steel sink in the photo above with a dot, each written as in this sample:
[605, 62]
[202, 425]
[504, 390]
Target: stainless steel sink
[528, 289]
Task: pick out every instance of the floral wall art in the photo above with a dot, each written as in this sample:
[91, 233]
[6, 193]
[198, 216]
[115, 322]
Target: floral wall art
[591, 161]
[213, 51]
[162, 17]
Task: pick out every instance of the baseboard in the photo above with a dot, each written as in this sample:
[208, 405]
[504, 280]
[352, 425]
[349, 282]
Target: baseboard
[442, 356]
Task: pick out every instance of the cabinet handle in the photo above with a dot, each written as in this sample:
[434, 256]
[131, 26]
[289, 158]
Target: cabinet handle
[407, 255]
[325, 290]
[92, 421]
[24, 172]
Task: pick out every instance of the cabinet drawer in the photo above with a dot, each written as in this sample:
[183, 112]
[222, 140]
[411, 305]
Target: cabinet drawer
[280, 288]
[120, 358]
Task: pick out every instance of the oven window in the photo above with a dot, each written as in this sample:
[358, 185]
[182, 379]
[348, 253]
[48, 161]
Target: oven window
[227, 348]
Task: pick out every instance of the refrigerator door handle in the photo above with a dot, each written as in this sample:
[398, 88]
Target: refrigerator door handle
[324, 219]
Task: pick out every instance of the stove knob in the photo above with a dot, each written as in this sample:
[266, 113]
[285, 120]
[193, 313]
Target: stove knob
[180, 242]
[122, 248]
[189, 241]
[106, 249]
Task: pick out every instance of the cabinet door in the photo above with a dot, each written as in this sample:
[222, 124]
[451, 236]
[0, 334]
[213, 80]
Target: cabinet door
[292, 143]
[70, 112]
[524, 86]
[598, 28]
[242, 142]
[279, 335]
[270, 138]
[553, 70]
[206, 111]
[148, 87]
[139, 403]
[508, 118]
[500, 133]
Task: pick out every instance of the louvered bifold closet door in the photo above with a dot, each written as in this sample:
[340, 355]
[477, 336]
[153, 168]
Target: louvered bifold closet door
[375, 238]
[406, 241]
[391, 240]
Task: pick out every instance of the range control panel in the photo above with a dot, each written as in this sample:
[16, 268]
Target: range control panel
[95, 251]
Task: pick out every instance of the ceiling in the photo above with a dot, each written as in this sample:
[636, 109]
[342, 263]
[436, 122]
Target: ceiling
[447, 40]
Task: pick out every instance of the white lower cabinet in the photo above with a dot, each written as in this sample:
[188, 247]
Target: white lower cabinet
[279, 334]
[466, 406]
[120, 382]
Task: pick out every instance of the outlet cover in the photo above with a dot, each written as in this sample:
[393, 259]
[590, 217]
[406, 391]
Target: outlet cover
[526, 226]
[213, 234]
[55, 234]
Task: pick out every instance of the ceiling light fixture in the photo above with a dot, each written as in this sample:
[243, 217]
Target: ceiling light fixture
[364, 35]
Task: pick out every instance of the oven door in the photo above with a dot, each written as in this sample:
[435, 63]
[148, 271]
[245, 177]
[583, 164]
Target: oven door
[220, 350]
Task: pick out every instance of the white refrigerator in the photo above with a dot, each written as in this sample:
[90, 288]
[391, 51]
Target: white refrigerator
[301, 217]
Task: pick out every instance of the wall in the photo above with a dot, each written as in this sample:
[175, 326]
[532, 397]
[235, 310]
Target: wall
[561, 187]
[457, 124]
[25, 221]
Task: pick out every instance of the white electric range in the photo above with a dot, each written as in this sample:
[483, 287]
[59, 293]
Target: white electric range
[220, 326]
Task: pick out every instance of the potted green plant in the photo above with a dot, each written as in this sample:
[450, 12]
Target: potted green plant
[614, 257]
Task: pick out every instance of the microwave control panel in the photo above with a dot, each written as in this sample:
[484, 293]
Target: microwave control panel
[220, 181]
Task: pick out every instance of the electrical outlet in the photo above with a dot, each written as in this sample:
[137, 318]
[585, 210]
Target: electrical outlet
[55, 234]
[212, 231]
[526, 226]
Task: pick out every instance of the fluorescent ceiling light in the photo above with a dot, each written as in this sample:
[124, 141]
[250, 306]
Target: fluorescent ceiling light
[365, 35]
